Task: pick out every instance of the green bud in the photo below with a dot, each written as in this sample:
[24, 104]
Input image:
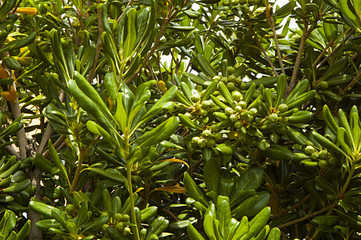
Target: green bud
[119, 226]
[322, 85]
[218, 137]
[214, 128]
[118, 216]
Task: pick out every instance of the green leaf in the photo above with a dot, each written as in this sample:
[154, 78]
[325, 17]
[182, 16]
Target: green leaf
[130, 41]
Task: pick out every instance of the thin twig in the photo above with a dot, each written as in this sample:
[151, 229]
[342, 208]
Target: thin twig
[264, 52]
[351, 83]
[308, 216]
[155, 46]
[336, 49]
[299, 203]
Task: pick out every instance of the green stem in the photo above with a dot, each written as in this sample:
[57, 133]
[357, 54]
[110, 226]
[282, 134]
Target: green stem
[78, 170]
[130, 189]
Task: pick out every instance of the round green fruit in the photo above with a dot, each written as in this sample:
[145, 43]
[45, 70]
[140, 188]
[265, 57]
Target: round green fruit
[238, 109]
[195, 97]
[70, 209]
[237, 96]
[119, 226]
[126, 218]
[323, 164]
[253, 111]
[323, 154]
[242, 104]
[207, 104]
[238, 125]
[231, 86]
[232, 78]
[228, 111]
[206, 133]
[195, 140]
[233, 118]
[322, 85]
[230, 69]
[211, 142]
[315, 156]
[283, 107]
[309, 150]
[203, 112]
[118, 216]
[202, 143]
[273, 118]
[224, 79]
[217, 78]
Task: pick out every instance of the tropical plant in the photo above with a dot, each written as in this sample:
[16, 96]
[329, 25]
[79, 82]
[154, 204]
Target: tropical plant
[179, 119]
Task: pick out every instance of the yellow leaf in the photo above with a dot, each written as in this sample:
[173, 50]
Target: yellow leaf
[176, 160]
[27, 10]
[11, 95]
[139, 189]
[3, 73]
[162, 86]
[173, 189]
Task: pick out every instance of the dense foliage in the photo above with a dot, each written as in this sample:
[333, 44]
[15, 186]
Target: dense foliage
[180, 119]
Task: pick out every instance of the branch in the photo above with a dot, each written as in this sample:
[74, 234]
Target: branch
[22, 142]
[304, 37]
[11, 149]
[271, 23]
[264, 52]
[308, 216]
